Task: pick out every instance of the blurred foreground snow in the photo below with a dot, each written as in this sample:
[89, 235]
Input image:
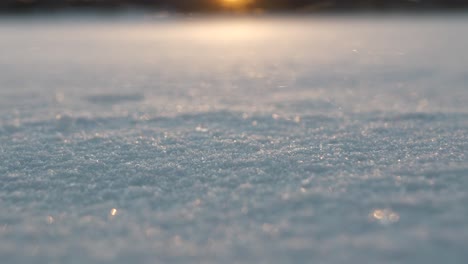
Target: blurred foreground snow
[249, 140]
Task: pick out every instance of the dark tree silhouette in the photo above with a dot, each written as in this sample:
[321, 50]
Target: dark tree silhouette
[212, 5]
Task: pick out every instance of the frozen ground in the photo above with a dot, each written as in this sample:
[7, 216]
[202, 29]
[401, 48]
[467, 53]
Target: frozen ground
[244, 140]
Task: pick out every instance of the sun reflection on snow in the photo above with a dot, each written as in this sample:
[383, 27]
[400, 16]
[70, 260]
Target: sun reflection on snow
[113, 212]
[231, 30]
[384, 216]
[50, 219]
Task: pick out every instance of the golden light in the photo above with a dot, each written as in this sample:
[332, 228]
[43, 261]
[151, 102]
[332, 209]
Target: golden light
[235, 4]
[113, 212]
[227, 31]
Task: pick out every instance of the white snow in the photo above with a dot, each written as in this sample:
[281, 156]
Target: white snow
[240, 140]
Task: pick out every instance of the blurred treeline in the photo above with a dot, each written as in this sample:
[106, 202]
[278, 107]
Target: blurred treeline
[254, 5]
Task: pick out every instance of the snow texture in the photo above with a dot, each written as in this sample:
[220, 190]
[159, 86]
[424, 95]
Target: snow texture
[234, 140]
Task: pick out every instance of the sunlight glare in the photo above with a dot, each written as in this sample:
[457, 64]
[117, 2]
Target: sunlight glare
[228, 31]
[235, 4]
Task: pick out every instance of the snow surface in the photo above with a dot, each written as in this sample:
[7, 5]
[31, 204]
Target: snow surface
[241, 140]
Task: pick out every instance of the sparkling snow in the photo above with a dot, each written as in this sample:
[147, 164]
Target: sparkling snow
[241, 140]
